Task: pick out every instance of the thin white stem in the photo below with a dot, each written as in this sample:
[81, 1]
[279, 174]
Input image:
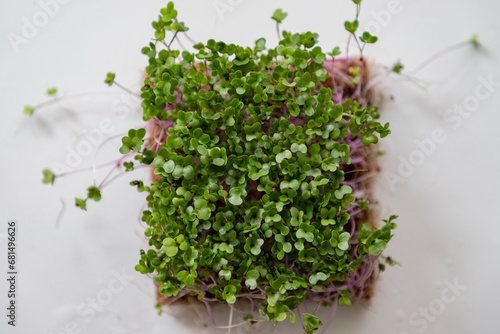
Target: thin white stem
[188, 37]
[60, 214]
[317, 307]
[66, 97]
[99, 148]
[104, 184]
[438, 55]
[126, 90]
[107, 176]
[85, 169]
[332, 316]
[358, 9]
[230, 320]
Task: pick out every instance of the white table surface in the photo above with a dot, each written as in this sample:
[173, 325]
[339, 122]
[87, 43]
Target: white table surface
[447, 204]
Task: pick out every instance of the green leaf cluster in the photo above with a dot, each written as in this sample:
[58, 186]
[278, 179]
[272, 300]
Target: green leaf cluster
[110, 79]
[132, 142]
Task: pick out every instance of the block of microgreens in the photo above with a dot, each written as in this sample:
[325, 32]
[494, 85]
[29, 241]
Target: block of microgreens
[249, 148]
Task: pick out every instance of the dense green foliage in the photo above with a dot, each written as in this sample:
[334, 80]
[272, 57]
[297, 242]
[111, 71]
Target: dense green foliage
[248, 199]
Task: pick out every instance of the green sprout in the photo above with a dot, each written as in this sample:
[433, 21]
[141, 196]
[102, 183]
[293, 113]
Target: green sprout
[81, 203]
[48, 176]
[475, 41]
[397, 67]
[110, 79]
[52, 91]
[28, 110]
[279, 16]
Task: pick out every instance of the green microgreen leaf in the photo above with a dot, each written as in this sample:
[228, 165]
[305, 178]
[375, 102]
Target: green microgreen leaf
[368, 38]
[351, 26]
[474, 40]
[397, 67]
[335, 52]
[279, 15]
[110, 79]
[52, 91]
[81, 203]
[48, 176]
[94, 193]
[28, 110]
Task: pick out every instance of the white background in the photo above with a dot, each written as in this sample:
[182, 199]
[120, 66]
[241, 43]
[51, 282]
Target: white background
[447, 205]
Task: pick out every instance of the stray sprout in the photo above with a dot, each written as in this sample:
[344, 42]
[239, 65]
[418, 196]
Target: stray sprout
[110, 79]
[352, 27]
[368, 38]
[475, 41]
[335, 52]
[129, 166]
[81, 203]
[397, 67]
[279, 16]
[52, 91]
[29, 110]
[92, 193]
[48, 176]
